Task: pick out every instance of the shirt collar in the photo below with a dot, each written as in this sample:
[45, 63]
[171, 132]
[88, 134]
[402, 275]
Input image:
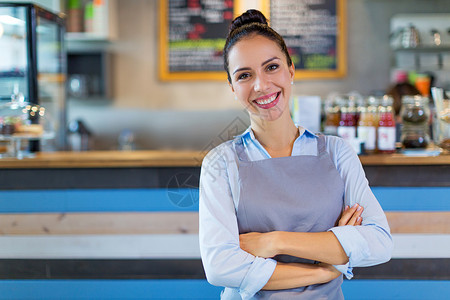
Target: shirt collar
[248, 133]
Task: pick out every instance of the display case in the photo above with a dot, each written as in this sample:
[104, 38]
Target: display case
[33, 65]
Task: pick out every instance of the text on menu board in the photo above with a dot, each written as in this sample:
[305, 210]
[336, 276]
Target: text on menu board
[310, 29]
[196, 34]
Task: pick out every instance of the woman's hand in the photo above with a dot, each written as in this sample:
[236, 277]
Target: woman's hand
[351, 216]
[259, 244]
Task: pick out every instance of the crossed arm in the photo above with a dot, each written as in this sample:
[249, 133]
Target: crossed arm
[319, 246]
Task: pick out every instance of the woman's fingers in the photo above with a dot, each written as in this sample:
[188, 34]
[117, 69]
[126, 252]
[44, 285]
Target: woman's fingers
[345, 216]
[351, 215]
[356, 217]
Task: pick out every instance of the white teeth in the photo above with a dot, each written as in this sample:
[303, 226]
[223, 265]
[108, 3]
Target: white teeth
[268, 100]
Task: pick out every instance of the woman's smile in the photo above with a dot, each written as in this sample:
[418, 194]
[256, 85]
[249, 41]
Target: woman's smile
[268, 101]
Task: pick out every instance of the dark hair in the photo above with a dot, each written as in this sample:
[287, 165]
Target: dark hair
[249, 23]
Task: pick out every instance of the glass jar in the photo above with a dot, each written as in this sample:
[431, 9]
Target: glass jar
[415, 114]
[20, 122]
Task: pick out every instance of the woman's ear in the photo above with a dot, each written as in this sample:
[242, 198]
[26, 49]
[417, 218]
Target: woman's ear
[292, 71]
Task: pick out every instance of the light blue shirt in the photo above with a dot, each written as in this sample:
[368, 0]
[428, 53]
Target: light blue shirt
[243, 274]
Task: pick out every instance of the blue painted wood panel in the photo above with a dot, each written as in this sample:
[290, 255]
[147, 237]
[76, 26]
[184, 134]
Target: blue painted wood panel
[186, 199]
[201, 289]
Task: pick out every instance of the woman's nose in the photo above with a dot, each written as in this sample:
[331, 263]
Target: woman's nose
[261, 83]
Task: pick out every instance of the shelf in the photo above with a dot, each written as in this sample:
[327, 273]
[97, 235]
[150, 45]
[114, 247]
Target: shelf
[52, 77]
[424, 49]
[15, 74]
[45, 136]
[86, 37]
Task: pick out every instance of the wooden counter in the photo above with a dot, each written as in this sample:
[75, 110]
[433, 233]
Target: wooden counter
[107, 159]
[168, 158]
[149, 169]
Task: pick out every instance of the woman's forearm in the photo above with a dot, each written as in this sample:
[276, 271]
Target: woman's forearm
[319, 246]
[293, 275]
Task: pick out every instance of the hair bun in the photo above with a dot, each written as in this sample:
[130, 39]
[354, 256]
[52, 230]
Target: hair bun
[250, 16]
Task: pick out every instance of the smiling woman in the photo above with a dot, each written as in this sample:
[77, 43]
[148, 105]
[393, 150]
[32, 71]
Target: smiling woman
[263, 87]
[283, 212]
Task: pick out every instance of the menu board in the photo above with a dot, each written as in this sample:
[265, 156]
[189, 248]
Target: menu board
[314, 34]
[192, 36]
[193, 33]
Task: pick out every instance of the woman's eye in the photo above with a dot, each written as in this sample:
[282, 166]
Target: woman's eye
[243, 76]
[272, 67]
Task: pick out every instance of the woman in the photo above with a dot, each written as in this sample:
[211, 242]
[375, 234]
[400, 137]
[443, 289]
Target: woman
[271, 198]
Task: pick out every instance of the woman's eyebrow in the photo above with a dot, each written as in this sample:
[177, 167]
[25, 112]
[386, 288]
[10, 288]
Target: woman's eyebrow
[265, 62]
[241, 69]
[269, 60]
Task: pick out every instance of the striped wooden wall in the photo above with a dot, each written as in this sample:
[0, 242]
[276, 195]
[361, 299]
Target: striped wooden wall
[130, 241]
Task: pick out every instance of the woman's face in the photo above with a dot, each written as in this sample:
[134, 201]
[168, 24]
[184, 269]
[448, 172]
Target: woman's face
[260, 77]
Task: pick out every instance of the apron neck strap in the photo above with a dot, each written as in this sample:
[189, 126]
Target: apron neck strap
[321, 147]
[240, 150]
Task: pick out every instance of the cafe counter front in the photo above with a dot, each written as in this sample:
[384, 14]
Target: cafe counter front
[125, 225]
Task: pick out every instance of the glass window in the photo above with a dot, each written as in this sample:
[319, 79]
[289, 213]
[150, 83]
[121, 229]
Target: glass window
[13, 59]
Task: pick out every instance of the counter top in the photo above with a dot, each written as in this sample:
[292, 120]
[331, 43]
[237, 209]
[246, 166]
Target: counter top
[107, 159]
[171, 158]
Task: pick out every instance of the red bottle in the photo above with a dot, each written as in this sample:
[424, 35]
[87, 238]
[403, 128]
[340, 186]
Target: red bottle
[347, 124]
[386, 126]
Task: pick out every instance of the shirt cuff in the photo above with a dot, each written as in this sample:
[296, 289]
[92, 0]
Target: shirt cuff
[353, 243]
[257, 276]
[345, 269]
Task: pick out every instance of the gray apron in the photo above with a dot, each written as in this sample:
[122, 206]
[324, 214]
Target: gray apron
[296, 193]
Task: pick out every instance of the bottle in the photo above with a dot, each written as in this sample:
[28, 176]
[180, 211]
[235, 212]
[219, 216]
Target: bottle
[100, 15]
[386, 126]
[347, 123]
[89, 17]
[126, 140]
[79, 136]
[422, 84]
[332, 116]
[367, 126]
[358, 102]
[75, 16]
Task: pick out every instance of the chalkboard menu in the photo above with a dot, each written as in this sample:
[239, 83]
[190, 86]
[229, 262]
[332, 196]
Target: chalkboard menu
[193, 33]
[314, 34]
[192, 36]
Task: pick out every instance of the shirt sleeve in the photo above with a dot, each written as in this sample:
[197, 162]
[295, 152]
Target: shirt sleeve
[371, 243]
[225, 263]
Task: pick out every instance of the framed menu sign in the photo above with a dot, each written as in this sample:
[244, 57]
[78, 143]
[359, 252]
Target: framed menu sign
[314, 32]
[193, 32]
[191, 38]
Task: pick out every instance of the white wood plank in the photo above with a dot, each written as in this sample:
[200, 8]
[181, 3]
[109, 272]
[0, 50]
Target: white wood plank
[421, 246]
[101, 246]
[169, 246]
